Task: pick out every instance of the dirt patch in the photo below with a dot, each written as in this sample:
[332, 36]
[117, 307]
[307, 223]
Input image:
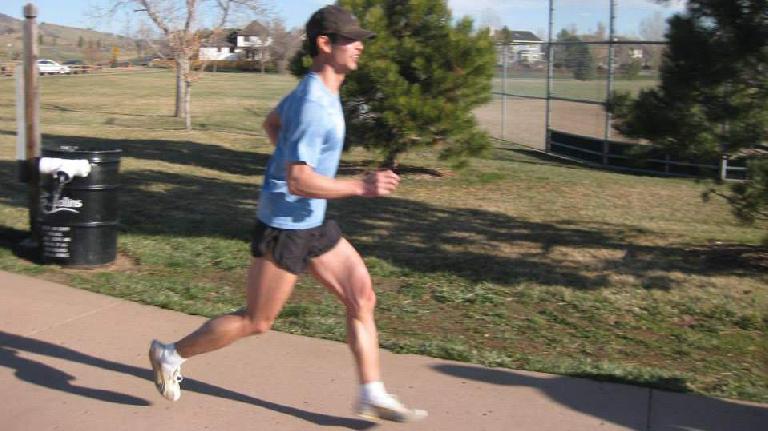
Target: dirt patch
[122, 263]
[525, 120]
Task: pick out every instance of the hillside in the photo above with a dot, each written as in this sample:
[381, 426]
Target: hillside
[63, 43]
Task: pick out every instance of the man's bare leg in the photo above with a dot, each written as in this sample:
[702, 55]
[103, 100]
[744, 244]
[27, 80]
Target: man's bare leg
[344, 273]
[268, 288]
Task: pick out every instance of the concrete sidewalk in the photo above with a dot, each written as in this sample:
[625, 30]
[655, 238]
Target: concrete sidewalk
[75, 360]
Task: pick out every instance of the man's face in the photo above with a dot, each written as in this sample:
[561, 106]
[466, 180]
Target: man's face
[346, 53]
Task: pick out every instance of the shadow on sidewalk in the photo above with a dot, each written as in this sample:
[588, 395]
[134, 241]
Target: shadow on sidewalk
[44, 375]
[568, 392]
[49, 377]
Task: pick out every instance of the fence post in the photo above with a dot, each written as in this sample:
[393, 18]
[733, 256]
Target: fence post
[609, 87]
[31, 120]
[550, 75]
[505, 69]
[724, 167]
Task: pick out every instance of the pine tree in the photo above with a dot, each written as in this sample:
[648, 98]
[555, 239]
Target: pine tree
[575, 56]
[713, 96]
[418, 82]
[81, 42]
[232, 37]
[504, 36]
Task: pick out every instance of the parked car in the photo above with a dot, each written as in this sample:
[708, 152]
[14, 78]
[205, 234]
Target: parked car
[142, 61]
[47, 67]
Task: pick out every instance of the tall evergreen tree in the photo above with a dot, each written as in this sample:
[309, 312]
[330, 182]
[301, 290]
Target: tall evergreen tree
[418, 80]
[232, 37]
[504, 35]
[575, 55]
[713, 96]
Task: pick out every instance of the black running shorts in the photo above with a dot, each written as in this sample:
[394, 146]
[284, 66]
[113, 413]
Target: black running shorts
[291, 249]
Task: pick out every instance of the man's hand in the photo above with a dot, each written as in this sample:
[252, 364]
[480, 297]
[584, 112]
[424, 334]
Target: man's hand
[380, 183]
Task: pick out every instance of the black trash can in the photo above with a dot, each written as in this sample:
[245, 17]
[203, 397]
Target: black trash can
[78, 219]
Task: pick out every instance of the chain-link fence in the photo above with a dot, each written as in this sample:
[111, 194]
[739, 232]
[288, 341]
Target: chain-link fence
[550, 93]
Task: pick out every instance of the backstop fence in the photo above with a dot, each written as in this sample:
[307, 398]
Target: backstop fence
[552, 94]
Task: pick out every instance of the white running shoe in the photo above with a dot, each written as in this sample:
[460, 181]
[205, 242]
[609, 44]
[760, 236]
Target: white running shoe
[167, 377]
[390, 409]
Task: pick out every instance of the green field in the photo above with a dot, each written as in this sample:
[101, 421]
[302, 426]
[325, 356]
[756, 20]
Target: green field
[518, 261]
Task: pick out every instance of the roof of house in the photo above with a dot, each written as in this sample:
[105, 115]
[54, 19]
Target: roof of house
[524, 36]
[255, 28]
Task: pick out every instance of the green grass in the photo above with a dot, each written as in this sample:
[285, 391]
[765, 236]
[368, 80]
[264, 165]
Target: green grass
[518, 261]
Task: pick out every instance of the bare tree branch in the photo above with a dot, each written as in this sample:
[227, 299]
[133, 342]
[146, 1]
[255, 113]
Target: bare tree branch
[224, 7]
[162, 25]
[191, 10]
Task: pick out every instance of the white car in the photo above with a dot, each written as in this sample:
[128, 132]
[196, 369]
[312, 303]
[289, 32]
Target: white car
[50, 67]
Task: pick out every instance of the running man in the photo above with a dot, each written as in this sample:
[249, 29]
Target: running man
[292, 235]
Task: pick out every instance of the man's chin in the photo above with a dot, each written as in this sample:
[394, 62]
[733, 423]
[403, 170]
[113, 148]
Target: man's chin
[346, 68]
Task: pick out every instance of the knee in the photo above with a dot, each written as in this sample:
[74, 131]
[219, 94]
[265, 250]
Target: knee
[367, 302]
[363, 301]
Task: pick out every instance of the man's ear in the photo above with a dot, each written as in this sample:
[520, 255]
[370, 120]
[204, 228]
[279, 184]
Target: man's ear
[324, 44]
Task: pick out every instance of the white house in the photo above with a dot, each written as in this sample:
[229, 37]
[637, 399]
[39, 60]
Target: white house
[524, 48]
[253, 41]
[252, 47]
[220, 52]
[249, 47]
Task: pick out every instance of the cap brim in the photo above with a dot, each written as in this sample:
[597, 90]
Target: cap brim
[358, 34]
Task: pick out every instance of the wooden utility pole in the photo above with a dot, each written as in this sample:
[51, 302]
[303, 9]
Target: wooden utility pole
[31, 118]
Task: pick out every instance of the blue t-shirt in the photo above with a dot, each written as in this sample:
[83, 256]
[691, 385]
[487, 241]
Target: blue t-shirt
[312, 131]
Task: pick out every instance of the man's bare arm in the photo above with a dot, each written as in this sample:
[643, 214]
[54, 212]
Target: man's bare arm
[272, 126]
[304, 181]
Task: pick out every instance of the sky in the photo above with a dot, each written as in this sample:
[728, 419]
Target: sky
[528, 15]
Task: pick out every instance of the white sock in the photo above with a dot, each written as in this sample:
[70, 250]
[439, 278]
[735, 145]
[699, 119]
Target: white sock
[374, 392]
[171, 357]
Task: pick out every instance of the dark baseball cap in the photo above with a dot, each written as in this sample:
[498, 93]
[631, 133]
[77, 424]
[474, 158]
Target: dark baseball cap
[334, 19]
